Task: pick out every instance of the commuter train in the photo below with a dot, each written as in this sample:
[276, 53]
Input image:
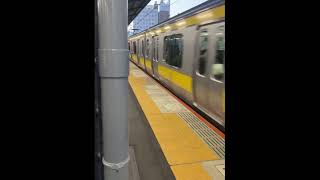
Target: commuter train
[186, 54]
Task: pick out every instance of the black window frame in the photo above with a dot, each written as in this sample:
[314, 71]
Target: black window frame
[203, 54]
[134, 47]
[142, 48]
[148, 48]
[219, 55]
[157, 48]
[172, 52]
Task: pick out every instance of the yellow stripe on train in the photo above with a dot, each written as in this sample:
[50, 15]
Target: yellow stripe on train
[179, 79]
[141, 61]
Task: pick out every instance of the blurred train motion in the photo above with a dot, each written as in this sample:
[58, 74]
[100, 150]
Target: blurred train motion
[186, 54]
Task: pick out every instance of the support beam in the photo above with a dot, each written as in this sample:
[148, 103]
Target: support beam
[113, 69]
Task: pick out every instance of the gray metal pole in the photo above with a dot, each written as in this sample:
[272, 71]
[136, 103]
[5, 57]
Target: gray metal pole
[114, 69]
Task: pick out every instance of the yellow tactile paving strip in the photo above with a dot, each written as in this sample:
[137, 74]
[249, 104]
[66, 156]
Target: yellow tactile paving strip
[182, 147]
[190, 172]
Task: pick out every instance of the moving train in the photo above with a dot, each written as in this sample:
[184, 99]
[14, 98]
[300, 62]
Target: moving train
[186, 54]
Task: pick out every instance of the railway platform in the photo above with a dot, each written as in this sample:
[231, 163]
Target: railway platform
[170, 140]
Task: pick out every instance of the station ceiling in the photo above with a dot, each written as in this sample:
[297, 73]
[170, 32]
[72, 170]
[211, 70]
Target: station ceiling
[134, 8]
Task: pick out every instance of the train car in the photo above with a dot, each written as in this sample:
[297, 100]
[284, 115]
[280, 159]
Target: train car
[186, 54]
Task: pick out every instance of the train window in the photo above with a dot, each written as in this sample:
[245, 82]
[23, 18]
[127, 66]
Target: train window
[153, 48]
[138, 49]
[134, 48]
[173, 50]
[203, 54]
[142, 45]
[218, 66]
[165, 48]
[157, 46]
[147, 49]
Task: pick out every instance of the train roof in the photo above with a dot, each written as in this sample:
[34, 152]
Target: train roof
[195, 10]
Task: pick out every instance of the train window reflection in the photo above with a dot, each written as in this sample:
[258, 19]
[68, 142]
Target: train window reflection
[166, 48]
[142, 45]
[157, 48]
[147, 48]
[138, 49]
[134, 48]
[203, 54]
[154, 48]
[218, 66]
[173, 50]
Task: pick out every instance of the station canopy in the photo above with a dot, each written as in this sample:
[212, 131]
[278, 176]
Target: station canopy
[135, 7]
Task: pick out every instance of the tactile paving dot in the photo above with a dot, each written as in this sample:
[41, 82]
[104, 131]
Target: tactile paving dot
[221, 169]
[163, 100]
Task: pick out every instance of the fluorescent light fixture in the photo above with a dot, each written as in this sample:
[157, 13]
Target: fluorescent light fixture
[206, 15]
[181, 23]
[167, 27]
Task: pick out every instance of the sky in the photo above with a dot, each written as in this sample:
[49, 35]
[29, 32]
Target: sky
[177, 6]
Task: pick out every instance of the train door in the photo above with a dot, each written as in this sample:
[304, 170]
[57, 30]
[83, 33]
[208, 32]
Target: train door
[155, 56]
[217, 69]
[200, 74]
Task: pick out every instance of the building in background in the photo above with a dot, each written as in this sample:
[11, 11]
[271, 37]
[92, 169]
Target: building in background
[164, 11]
[150, 16]
[147, 17]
